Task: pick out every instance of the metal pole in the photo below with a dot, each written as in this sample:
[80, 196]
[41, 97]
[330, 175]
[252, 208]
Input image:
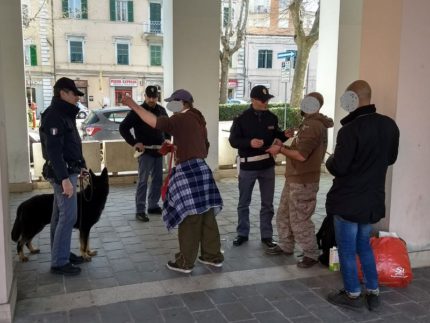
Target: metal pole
[285, 106]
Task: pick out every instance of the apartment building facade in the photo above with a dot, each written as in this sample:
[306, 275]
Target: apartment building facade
[109, 47]
[269, 33]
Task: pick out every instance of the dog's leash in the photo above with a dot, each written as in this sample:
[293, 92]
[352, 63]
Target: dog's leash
[87, 176]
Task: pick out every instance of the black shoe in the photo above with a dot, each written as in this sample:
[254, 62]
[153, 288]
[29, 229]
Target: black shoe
[306, 262]
[341, 298]
[66, 270]
[372, 301]
[141, 216]
[277, 250]
[239, 240]
[75, 260]
[268, 242]
[155, 210]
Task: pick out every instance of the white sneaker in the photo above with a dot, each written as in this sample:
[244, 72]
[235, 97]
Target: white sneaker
[210, 263]
[173, 266]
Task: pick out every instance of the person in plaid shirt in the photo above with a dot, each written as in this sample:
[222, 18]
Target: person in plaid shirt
[192, 199]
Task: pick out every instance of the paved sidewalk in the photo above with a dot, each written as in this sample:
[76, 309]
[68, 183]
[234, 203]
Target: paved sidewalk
[128, 281]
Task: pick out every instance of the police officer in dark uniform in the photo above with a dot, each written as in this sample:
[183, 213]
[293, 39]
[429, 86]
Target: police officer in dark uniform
[252, 133]
[62, 150]
[147, 141]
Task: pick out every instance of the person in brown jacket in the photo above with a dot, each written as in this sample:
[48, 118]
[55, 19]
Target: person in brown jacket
[302, 174]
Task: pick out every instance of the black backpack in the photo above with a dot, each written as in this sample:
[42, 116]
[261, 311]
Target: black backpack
[326, 239]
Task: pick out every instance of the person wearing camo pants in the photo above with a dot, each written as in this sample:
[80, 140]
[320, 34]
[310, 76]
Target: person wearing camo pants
[302, 173]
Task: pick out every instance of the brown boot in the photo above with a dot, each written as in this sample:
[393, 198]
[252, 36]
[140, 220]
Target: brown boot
[306, 262]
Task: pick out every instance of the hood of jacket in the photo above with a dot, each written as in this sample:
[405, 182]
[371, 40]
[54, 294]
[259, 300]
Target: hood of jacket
[326, 121]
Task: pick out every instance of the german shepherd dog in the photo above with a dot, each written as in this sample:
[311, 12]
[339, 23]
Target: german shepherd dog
[35, 213]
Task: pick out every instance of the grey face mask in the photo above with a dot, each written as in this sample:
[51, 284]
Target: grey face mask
[349, 101]
[175, 106]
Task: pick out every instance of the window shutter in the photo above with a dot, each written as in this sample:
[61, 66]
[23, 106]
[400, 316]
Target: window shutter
[33, 55]
[65, 8]
[155, 11]
[84, 8]
[130, 11]
[112, 10]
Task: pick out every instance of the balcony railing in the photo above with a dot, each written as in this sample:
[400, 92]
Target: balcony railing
[152, 27]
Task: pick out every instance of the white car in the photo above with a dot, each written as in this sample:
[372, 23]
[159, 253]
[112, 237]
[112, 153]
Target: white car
[236, 101]
[83, 111]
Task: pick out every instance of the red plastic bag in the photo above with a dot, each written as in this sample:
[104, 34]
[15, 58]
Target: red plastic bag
[392, 262]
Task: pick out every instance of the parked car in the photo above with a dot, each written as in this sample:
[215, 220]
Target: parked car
[103, 124]
[33, 137]
[236, 101]
[83, 111]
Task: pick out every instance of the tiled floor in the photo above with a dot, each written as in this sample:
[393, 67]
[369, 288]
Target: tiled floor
[128, 282]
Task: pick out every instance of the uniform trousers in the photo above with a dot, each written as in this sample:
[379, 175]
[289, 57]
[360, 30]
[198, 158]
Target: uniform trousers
[293, 219]
[64, 215]
[149, 166]
[266, 181]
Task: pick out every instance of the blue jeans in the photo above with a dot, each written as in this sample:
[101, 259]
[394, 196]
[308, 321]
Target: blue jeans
[64, 215]
[149, 166]
[352, 239]
[266, 181]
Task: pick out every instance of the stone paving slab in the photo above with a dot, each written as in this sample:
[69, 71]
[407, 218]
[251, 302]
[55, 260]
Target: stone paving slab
[298, 300]
[130, 251]
[128, 282]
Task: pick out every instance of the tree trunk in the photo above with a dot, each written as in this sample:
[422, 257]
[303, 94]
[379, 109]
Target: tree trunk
[223, 88]
[303, 50]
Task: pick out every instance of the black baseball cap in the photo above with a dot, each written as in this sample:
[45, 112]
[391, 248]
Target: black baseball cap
[151, 91]
[65, 83]
[260, 92]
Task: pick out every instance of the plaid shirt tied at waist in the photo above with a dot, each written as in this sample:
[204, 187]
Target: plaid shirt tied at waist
[192, 190]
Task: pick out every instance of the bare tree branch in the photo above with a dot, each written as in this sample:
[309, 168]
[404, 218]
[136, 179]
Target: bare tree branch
[232, 36]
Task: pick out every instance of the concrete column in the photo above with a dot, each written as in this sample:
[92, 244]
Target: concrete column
[13, 137]
[384, 43]
[395, 54]
[338, 55]
[191, 58]
[14, 102]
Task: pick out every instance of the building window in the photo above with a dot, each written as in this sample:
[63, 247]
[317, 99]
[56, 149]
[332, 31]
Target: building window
[121, 10]
[76, 50]
[155, 18]
[283, 13]
[155, 55]
[25, 15]
[122, 53]
[30, 55]
[265, 58]
[76, 9]
[228, 14]
[259, 6]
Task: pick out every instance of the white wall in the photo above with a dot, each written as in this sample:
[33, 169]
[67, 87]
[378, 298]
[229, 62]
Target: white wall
[410, 200]
[338, 55]
[195, 49]
[15, 105]
[12, 139]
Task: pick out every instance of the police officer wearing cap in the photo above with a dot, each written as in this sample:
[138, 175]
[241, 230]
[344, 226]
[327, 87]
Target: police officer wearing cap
[252, 133]
[147, 141]
[62, 150]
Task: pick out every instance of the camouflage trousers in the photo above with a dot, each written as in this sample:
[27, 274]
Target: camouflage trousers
[293, 219]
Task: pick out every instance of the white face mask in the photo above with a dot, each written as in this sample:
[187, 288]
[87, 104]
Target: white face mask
[310, 105]
[349, 101]
[175, 106]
